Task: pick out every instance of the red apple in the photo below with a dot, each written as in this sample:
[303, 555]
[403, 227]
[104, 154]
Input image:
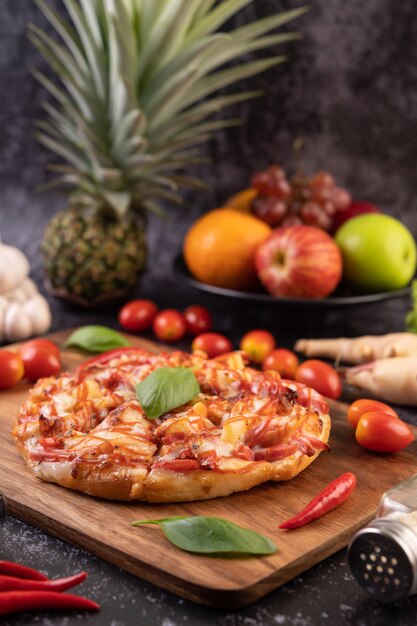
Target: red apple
[300, 262]
[357, 207]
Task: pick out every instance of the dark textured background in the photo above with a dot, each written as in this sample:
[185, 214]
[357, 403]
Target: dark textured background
[350, 90]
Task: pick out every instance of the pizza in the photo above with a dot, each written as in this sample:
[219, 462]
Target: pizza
[87, 431]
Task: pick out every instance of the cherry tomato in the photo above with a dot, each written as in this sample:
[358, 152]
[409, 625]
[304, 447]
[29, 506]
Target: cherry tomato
[11, 369]
[169, 325]
[381, 432]
[198, 319]
[258, 344]
[45, 343]
[137, 315]
[359, 407]
[321, 377]
[213, 344]
[283, 361]
[39, 361]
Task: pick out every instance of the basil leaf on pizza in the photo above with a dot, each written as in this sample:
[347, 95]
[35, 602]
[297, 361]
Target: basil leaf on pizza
[212, 535]
[166, 388]
[96, 339]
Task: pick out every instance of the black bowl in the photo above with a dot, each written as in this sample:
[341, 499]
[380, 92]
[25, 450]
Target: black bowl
[340, 299]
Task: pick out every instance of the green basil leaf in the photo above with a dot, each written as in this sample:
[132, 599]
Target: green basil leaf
[96, 339]
[212, 535]
[165, 389]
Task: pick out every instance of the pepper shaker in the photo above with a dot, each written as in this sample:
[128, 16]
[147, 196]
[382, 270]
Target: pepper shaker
[383, 555]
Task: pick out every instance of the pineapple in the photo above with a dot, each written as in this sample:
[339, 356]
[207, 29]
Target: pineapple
[139, 80]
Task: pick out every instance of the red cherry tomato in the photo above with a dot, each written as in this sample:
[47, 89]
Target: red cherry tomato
[321, 377]
[258, 344]
[137, 315]
[213, 344]
[39, 361]
[11, 369]
[198, 319]
[169, 325]
[381, 432]
[365, 405]
[47, 344]
[283, 361]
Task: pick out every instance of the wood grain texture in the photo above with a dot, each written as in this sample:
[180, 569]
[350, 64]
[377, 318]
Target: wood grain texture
[103, 527]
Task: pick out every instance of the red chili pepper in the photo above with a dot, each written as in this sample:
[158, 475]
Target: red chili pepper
[20, 601]
[103, 358]
[334, 494]
[21, 571]
[11, 583]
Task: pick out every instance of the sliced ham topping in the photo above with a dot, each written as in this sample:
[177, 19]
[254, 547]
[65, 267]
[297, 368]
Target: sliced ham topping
[178, 465]
[280, 451]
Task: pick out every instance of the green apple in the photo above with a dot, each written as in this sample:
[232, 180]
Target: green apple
[379, 252]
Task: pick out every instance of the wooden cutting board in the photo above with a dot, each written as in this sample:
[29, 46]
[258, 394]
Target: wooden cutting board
[104, 528]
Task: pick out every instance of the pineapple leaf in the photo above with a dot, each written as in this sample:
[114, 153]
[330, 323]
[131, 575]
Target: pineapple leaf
[170, 97]
[190, 182]
[57, 55]
[154, 207]
[203, 9]
[266, 24]
[216, 18]
[90, 49]
[189, 54]
[65, 132]
[179, 162]
[131, 124]
[198, 113]
[79, 161]
[65, 31]
[154, 31]
[119, 201]
[224, 78]
[68, 122]
[174, 36]
[91, 17]
[138, 85]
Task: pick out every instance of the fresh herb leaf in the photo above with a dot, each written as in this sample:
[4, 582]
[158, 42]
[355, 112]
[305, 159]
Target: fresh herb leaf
[96, 339]
[165, 389]
[211, 535]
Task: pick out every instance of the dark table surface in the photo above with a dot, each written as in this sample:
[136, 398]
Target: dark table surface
[326, 594]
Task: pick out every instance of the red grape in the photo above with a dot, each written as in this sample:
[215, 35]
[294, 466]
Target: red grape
[272, 182]
[321, 179]
[269, 209]
[314, 215]
[314, 201]
[341, 198]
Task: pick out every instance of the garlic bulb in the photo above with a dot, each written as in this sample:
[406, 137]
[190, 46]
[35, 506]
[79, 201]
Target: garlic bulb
[16, 323]
[39, 314]
[14, 268]
[23, 311]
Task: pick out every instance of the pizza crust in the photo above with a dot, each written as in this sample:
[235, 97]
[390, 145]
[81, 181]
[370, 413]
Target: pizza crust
[111, 486]
[163, 485]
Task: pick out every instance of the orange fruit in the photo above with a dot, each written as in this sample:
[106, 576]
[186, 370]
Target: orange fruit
[241, 201]
[219, 248]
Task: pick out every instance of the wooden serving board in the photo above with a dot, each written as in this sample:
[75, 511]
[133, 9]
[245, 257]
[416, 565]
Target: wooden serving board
[104, 527]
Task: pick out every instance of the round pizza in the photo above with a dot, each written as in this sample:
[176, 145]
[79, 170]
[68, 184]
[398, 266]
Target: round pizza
[88, 431]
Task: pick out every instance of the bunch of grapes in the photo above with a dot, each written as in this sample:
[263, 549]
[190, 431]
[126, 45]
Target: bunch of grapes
[300, 200]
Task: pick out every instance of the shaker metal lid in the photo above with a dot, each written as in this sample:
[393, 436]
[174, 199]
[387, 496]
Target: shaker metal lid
[383, 559]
